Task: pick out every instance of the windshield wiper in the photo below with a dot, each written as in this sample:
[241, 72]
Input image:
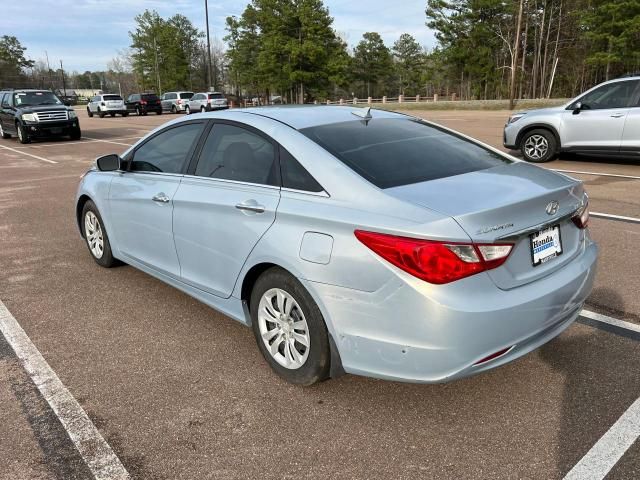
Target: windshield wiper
[48, 103]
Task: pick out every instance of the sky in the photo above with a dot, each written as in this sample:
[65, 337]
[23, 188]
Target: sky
[86, 34]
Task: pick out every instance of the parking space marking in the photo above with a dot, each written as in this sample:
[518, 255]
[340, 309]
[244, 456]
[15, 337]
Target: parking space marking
[108, 141]
[95, 451]
[598, 317]
[618, 218]
[28, 154]
[599, 461]
[596, 173]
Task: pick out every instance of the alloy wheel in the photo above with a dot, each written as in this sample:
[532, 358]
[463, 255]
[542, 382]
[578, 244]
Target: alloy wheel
[536, 147]
[283, 328]
[93, 234]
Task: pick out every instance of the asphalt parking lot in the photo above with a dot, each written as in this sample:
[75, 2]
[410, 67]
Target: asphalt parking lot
[178, 390]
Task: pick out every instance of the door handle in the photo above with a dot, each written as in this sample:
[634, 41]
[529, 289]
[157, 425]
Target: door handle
[161, 198]
[250, 206]
[617, 115]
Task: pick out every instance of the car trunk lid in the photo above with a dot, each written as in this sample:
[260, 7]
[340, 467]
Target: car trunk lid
[506, 204]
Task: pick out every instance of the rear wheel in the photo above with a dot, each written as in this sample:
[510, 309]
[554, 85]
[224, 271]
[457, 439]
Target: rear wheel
[113, 114]
[96, 236]
[174, 110]
[538, 146]
[89, 112]
[3, 134]
[158, 112]
[187, 110]
[125, 114]
[100, 113]
[138, 112]
[202, 110]
[289, 328]
[23, 136]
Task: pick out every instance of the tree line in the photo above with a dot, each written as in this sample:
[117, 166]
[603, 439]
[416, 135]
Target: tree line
[486, 49]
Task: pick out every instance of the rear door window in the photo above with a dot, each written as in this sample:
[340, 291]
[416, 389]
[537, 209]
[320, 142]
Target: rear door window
[235, 153]
[295, 176]
[393, 152]
[167, 151]
[186, 95]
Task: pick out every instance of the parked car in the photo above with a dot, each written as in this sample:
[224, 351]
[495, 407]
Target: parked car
[36, 113]
[373, 243]
[175, 102]
[106, 104]
[207, 102]
[604, 120]
[143, 103]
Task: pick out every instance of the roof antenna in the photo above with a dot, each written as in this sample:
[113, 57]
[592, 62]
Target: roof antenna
[364, 113]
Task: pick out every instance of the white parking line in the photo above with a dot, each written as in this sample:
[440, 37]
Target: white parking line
[95, 451]
[610, 216]
[599, 461]
[28, 154]
[108, 141]
[609, 320]
[596, 173]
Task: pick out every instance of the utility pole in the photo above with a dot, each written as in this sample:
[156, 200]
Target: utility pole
[155, 49]
[210, 81]
[64, 86]
[514, 62]
[49, 71]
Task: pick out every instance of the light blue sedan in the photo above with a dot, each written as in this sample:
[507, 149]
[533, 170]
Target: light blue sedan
[357, 241]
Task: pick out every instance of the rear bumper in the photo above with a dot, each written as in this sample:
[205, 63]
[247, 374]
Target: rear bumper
[51, 129]
[413, 331]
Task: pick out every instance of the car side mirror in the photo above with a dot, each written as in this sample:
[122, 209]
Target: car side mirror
[67, 103]
[577, 108]
[109, 163]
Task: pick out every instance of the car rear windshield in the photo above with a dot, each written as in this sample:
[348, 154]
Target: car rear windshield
[152, 96]
[186, 95]
[216, 95]
[394, 152]
[112, 97]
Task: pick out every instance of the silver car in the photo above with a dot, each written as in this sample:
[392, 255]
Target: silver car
[207, 102]
[175, 102]
[604, 120]
[370, 243]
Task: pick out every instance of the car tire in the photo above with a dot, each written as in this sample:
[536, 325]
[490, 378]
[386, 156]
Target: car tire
[23, 136]
[96, 236]
[307, 364]
[138, 112]
[174, 110]
[76, 134]
[202, 110]
[89, 112]
[100, 113]
[125, 114]
[159, 112]
[4, 134]
[538, 146]
[112, 114]
[187, 110]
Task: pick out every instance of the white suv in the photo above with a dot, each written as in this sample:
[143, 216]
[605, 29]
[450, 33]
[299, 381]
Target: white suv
[604, 120]
[205, 102]
[106, 104]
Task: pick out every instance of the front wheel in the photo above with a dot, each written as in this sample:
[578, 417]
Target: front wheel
[96, 236]
[89, 112]
[23, 136]
[158, 112]
[76, 134]
[538, 146]
[289, 328]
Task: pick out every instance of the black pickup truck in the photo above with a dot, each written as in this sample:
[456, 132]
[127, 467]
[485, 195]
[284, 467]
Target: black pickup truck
[36, 113]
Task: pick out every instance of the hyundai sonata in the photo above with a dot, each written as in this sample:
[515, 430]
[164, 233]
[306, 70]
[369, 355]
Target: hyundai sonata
[357, 241]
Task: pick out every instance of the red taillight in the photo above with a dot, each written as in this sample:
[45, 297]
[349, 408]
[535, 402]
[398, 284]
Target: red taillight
[143, 102]
[179, 102]
[433, 261]
[581, 218]
[494, 355]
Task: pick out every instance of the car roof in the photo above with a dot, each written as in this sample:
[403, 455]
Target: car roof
[305, 116]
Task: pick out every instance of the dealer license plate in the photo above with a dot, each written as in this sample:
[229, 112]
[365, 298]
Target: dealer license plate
[545, 245]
